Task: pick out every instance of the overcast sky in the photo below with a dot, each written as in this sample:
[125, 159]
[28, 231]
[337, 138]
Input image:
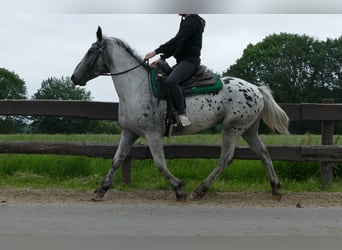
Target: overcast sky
[37, 46]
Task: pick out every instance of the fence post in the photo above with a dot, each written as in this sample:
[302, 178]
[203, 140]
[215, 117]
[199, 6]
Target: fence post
[126, 171]
[327, 139]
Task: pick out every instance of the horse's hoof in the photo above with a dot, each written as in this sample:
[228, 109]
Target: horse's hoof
[95, 199]
[276, 197]
[99, 194]
[181, 197]
[196, 196]
[98, 197]
[199, 192]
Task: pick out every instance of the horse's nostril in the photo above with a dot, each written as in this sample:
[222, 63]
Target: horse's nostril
[73, 79]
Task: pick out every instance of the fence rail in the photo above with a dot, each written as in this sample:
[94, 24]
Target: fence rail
[301, 153]
[325, 153]
[109, 110]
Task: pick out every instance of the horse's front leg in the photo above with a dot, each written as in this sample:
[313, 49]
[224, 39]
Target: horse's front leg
[157, 150]
[126, 142]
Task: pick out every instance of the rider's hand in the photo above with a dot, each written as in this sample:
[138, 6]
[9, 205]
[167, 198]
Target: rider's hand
[155, 62]
[150, 55]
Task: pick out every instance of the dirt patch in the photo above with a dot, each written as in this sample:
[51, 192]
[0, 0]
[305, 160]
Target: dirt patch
[227, 199]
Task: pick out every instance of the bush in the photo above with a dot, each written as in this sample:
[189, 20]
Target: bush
[297, 171]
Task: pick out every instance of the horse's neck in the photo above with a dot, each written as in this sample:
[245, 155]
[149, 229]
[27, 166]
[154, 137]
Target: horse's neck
[133, 86]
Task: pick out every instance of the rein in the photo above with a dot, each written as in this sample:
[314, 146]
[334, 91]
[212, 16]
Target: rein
[125, 71]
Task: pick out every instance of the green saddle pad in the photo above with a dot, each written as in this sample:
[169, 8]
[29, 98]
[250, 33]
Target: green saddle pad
[195, 90]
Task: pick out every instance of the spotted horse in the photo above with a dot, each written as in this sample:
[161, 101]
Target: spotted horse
[239, 106]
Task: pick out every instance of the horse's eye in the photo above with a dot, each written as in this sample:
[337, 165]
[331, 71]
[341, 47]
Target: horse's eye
[91, 50]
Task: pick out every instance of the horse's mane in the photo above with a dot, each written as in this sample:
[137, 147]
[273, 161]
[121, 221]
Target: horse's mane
[130, 51]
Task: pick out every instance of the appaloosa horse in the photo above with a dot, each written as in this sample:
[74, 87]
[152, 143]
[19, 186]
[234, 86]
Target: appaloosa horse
[239, 106]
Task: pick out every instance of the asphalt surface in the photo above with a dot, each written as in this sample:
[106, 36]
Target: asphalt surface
[86, 226]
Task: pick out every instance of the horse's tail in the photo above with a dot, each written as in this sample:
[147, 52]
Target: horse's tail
[272, 114]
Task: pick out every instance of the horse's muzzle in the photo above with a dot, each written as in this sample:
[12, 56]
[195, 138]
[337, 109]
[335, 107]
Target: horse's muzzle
[76, 82]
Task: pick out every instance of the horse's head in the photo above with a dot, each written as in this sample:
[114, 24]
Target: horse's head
[93, 63]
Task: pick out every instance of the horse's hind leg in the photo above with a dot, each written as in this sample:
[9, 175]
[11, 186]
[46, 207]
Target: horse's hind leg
[254, 141]
[155, 144]
[126, 142]
[230, 137]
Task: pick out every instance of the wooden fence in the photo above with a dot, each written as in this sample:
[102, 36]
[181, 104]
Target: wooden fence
[327, 153]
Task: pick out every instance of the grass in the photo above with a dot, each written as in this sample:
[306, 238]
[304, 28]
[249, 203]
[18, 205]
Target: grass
[306, 139]
[82, 173]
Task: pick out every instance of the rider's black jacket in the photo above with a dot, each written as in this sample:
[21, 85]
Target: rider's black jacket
[187, 43]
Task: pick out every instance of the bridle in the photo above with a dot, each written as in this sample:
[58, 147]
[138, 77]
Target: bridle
[143, 63]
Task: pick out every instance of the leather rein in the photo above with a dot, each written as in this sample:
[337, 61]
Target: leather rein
[125, 71]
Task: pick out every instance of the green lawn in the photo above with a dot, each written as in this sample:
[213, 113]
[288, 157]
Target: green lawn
[83, 173]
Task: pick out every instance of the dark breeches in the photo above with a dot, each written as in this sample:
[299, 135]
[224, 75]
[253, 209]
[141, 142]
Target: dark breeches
[180, 73]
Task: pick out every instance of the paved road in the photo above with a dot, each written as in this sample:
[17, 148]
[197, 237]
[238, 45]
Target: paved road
[151, 226]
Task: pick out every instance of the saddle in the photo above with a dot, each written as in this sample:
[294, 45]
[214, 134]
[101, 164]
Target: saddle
[203, 81]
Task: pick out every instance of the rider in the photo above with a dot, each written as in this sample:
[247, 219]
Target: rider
[186, 48]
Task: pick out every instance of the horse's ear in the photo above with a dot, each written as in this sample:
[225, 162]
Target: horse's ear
[99, 34]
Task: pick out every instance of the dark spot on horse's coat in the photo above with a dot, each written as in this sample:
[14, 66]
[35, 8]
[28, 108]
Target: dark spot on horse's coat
[241, 84]
[227, 80]
[230, 99]
[248, 97]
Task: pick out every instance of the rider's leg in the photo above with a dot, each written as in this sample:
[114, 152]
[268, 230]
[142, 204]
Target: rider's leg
[181, 72]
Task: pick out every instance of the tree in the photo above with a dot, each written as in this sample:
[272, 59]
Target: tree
[64, 89]
[60, 89]
[331, 58]
[297, 68]
[103, 127]
[11, 87]
[283, 62]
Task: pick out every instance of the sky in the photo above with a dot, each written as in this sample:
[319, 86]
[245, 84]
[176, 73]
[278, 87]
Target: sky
[40, 43]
